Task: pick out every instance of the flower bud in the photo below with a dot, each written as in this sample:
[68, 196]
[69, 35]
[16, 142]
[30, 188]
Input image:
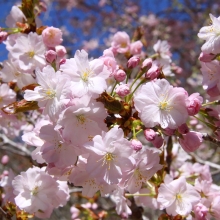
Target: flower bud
[133, 62]
[149, 134]
[200, 211]
[153, 72]
[3, 36]
[62, 61]
[158, 141]
[61, 50]
[206, 57]
[191, 141]
[193, 103]
[169, 131]
[50, 55]
[183, 129]
[147, 63]
[52, 36]
[136, 144]
[122, 90]
[120, 75]
[5, 159]
[136, 47]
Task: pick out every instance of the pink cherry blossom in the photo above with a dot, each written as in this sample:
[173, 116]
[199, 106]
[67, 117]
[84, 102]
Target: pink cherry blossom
[50, 94]
[38, 193]
[16, 15]
[52, 36]
[80, 123]
[121, 42]
[109, 156]
[211, 35]
[29, 51]
[160, 103]
[87, 77]
[12, 72]
[178, 197]
[136, 47]
[7, 95]
[146, 165]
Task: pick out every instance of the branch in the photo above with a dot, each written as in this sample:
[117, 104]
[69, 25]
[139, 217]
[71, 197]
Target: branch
[198, 159]
[18, 148]
[207, 137]
[5, 214]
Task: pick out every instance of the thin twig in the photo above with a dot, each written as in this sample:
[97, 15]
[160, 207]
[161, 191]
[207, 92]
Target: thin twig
[198, 159]
[17, 146]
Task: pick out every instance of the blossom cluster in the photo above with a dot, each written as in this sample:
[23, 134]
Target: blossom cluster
[105, 124]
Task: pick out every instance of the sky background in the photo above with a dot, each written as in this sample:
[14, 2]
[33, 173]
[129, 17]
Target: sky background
[49, 18]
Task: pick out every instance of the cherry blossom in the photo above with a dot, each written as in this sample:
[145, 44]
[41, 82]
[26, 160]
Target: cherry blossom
[160, 103]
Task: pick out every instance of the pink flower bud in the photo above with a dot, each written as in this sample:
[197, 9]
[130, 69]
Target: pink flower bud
[214, 91]
[75, 212]
[136, 47]
[5, 173]
[158, 141]
[200, 211]
[169, 131]
[3, 36]
[206, 57]
[133, 62]
[5, 159]
[122, 90]
[43, 6]
[136, 144]
[147, 63]
[62, 61]
[61, 50]
[120, 75]
[193, 103]
[52, 36]
[191, 141]
[183, 129]
[50, 56]
[149, 134]
[121, 42]
[153, 72]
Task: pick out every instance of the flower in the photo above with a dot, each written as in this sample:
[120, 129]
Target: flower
[38, 193]
[146, 165]
[29, 51]
[121, 42]
[12, 72]
[109, 156]
[177, 196]
[50, 94]
[87, 77]
[52, 36]
[160, 103]
[7, 95]
[211, 34]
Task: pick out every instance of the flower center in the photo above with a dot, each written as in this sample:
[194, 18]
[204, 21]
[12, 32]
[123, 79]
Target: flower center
[34, 191]
[50, 93]
[179, 197]
[108, 159]
[81, 119]
[86, 74]
[31, 54]
[163, 105]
